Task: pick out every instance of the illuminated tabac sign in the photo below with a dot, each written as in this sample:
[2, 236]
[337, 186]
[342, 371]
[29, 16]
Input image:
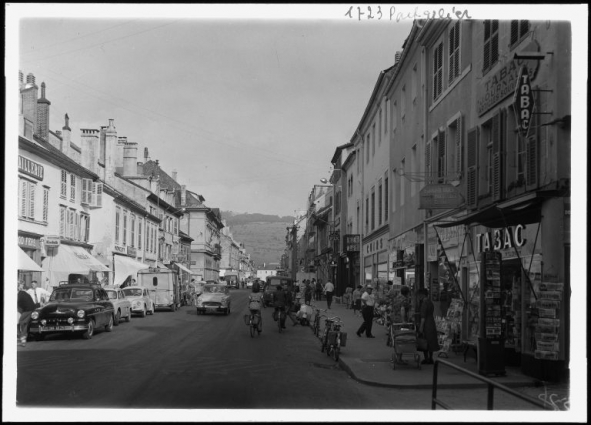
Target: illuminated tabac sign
[523, 101]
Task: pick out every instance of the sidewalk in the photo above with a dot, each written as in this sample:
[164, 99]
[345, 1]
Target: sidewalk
[368, 360]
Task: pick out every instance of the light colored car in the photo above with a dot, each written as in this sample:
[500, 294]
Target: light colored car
[215, 299]
[139, 297]
[121, 304]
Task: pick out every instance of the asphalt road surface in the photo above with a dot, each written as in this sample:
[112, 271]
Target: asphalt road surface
[181, 360]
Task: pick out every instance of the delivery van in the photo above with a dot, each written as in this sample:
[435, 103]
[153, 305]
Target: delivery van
[163, 285]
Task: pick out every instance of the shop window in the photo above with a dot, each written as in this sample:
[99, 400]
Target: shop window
[519, 29]
[437, 71]
[491, 44]
[454, 51]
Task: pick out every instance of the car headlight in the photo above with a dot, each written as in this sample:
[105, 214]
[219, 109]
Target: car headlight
[35, 315]
[80, 314]
[43, 322]
[70, 320]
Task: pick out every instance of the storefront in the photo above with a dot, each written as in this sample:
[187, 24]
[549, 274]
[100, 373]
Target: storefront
[524, 302]
[375, 262]
[66, 263]
[30, 246]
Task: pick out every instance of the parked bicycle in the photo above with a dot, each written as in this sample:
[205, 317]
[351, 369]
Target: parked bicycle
[331, 337]
[315, 323]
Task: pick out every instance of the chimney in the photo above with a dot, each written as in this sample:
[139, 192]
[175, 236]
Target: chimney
[110, 151]
[90, 146]
[29, 102]
[146, 156]
[130, 159]
[397, 57]
[174, 174]
[120, 147]
[140, 168]
[183, 195]
[66, 136]
[43, 115]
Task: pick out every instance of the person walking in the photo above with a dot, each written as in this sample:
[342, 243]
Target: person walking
[317, 289]
[25, 306]
[356, 300]
[307, 293]
[367, 302]
[328, 291]
[427, 327]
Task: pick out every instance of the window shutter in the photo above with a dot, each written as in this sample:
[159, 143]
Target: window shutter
[45, 204]
[31, 214]
[87, 232]
[459, 148]
[64, 184]
[99, 194]
[23, 198]
[84, 199]
[497, 147]
[441, 157]
[62, 221]
[514, 32]
[428, 158]
[472, 166]
[531, 153]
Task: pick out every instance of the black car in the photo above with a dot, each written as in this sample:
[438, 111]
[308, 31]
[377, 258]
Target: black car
[74, 308]
[271, 286]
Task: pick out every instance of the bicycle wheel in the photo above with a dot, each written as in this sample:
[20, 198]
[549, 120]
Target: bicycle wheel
[252, 328]
[323, 343]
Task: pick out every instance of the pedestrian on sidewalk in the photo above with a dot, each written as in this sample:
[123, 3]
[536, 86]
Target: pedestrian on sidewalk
[328, 291]
[367, 301]
[39, 295]
[357, 300]
[427, 328]
[318, 289]
[25, 306]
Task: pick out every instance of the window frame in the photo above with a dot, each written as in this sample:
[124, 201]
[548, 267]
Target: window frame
[454, 52]
[491, 37]
[437, 71]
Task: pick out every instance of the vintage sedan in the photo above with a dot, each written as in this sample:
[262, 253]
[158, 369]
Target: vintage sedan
[271, 287]
[141, 302]
[74, 308]
[121, 304]
[215, 299]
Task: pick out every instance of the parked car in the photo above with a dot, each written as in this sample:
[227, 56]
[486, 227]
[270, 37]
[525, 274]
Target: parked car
[141, 302]
[80, 308]
[121, 304]
[271, 286]
[215, 298]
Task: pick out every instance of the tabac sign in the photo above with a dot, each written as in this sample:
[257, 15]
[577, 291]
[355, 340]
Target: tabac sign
[523, 101]
[439, 196]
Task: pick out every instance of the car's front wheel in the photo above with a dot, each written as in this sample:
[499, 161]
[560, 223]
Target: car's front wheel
[90, 331]
[117, 318]
[128, 318]
[109, 326]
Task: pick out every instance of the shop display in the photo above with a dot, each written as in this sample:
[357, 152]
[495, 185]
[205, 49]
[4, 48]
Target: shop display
[449, 328]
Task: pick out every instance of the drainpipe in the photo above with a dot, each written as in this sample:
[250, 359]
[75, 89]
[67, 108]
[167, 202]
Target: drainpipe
[361, 256]
[425, 128]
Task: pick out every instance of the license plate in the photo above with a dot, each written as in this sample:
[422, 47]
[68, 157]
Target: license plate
[56, 328]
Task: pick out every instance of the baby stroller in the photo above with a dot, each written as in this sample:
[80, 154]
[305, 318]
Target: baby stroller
[404, 343]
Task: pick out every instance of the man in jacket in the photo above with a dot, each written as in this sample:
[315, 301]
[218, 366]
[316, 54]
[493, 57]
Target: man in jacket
[367, 305]
[281, 300]
[25, 306]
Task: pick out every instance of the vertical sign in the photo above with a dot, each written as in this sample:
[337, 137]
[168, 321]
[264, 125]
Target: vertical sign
[523, 101]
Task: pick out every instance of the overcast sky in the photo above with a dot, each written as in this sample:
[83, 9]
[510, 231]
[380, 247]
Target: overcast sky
[246, 103]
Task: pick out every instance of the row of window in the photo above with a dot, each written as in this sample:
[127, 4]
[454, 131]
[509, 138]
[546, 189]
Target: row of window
[29, 208]
[74, 225]
[126, 225]
[381, 213]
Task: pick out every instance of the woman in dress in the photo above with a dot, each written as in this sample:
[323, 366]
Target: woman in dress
[427, 327]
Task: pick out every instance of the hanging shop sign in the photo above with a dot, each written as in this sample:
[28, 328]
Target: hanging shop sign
[523, 101]
[51, 241]
[439, 196]
[30, 168]
[352, 243]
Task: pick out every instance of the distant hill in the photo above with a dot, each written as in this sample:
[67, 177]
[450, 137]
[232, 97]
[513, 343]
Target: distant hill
[263, 235]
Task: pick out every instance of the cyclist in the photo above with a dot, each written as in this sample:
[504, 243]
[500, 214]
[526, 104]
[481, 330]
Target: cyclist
[255, 302]
[281, 299]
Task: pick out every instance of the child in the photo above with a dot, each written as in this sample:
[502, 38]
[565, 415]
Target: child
[356, 300]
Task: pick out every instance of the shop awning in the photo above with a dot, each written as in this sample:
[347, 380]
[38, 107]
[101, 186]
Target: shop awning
[71, 259]
[126, 266]
[26, 263]
[524, 210]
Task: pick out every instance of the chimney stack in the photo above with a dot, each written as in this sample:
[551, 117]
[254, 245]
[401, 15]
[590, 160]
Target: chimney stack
[110, 151]
[146, 156]
[140, 168]
[183, 195]
[174, 174]
[66, 136]
[29, 104]
[130, 159]
[119, 152]
[42, 129]
[90, 147]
